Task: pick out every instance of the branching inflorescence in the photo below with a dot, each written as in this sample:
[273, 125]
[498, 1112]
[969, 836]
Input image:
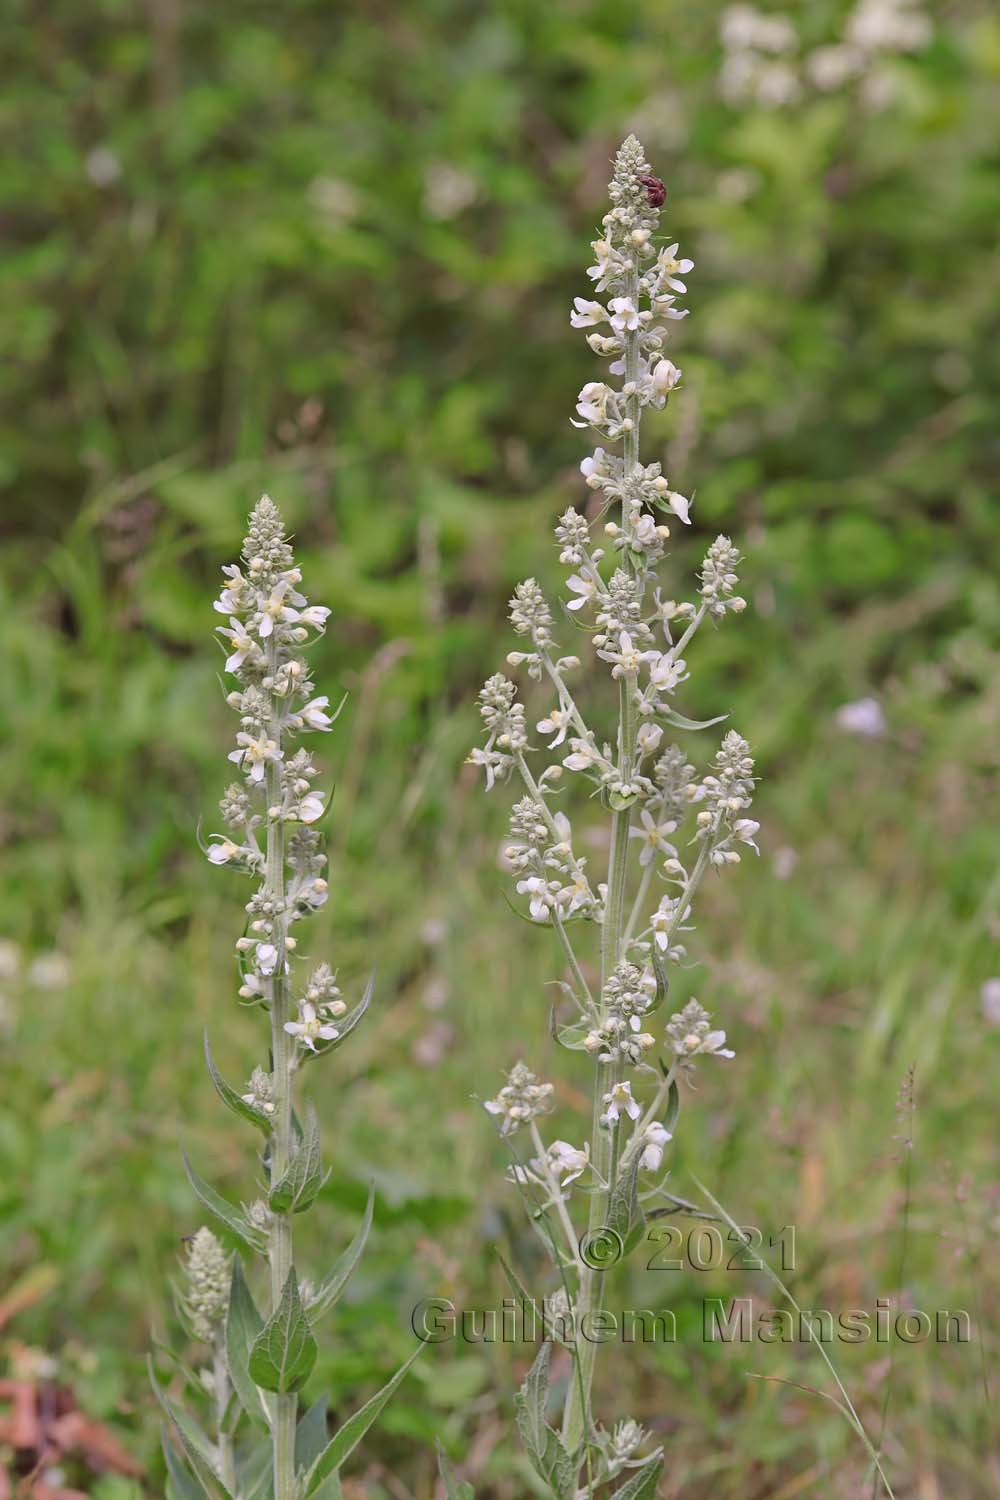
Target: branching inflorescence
[669, 826]
[261, 1360]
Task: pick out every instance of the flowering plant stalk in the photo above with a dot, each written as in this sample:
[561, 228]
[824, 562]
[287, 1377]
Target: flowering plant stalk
[261, 1359]
[642, 910]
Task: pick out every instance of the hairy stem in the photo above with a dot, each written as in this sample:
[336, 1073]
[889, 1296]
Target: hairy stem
[590, 1297]
[280, 1240]
[222, 1392]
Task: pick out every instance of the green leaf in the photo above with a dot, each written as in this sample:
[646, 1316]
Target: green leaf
[573, 1037]
[284, 1352]
[197, 1445]
[454, 1489]
[673, 1107]
[619, 803]
[311, 1436]
[329, 1489]
[230, 1098]
[331, 1287]
[184, 1485]
[243, 1326]
[545, 1449]
[257, 1474]
[644, 1482]
[344, 1027]
[515, 1283]
[662, 980]
[625, 1214]
[344, 1442]
[679, 721]
[304, 1178]
[217, 1206]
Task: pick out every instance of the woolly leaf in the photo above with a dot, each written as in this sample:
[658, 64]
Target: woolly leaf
[184, 1485]
[230, 1098]
[330, 1288]
[284, 1352]
[243, 1326]
[644, 1482]
[679, 721]
[625, 1214]
[311, 1435]
[200, 1450]
[217, 1206]
[548, 1456]
[304, 1178]
[345, 1026]
[454, 1488]
[347, 1438]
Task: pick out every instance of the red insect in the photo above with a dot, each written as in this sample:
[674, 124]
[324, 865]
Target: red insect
[655, 191]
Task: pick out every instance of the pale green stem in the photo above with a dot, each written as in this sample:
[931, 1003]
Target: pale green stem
[223, 1391]
[555, 1195]
[282, 1049]
[678, 646]
[590, 1297]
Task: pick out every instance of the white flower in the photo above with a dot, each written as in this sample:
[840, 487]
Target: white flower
[592, 403]
[310, 807]
[314, 714]
[556, 723]
[620, 1098]
[865, 717]
[664, 919]
[665, 673]
[273, 609]
[542, 899]
[224, 851]
[568, 1162]
[653, 835]
[626, 661]
[656, 1137]
[645, 532]
[243, 645]
[648, 738]
[267, 958]
[576, 896]
[255, 753]
[315, 615]
[582, 758]
[665, 377]
[585, 588]
[624, 314]
[595, 466]
[310, 1027]
[231, 598]
[714, 1044]
[669, 267]
[586, 314]
[744, 829]
[680, 506]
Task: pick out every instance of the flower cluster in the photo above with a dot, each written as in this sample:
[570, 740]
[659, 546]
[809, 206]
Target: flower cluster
[205, 1293]
[670, 827]
[691, 1035]
[522, 1099]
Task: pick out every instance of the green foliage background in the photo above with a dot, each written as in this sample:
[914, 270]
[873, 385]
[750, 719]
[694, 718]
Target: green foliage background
[329, 252]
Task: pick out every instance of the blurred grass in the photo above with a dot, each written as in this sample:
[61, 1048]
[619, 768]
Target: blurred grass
[330, 255]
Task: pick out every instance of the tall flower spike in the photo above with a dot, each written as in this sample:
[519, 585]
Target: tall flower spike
[271, 813]
[657, 807]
